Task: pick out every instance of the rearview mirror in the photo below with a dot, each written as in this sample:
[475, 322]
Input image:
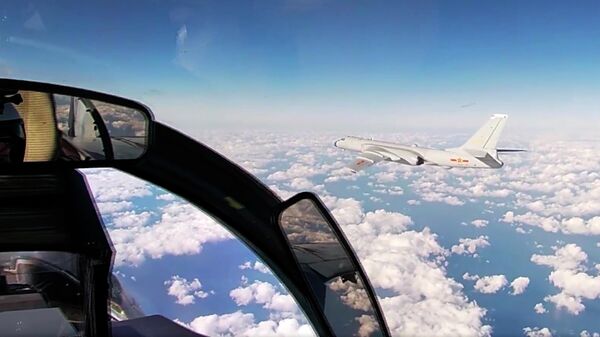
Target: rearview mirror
[44, 123]
[331, 268]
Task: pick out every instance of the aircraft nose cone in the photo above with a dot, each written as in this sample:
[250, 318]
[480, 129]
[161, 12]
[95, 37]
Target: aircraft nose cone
[335, 143]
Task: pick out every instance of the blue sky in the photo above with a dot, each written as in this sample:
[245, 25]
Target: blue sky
[256, 63]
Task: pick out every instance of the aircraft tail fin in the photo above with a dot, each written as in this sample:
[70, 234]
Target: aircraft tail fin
[486, 138]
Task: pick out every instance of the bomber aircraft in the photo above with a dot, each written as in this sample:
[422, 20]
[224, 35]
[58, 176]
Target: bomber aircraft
[478, 152]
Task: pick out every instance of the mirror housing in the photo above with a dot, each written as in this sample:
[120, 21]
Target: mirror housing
[49, 123]
[330, 267]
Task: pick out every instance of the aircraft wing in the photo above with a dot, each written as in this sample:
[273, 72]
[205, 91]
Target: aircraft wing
[365, 159]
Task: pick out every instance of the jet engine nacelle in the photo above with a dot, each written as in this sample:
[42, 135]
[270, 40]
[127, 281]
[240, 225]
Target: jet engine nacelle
[408, 157]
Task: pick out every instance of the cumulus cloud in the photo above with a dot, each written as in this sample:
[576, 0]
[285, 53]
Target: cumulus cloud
[266, 294]
[285, 318]
[385, 177]
[479, 223]
[570, 276]
[109, 185]
[568, 257]
[110, 207]
[537, 332]
[540, 309]
[299, 170]
[351, 294]
[244, 324]
[258, 266]
[519, 285]
[550, 193]
[469, 246]
[427, 301]
[368, 325]
[185, 292]
[130, 219]
[392, 190]
[166, 197]
[490, 284]
[181, 230]
[301, 183]
[469, 277]
[573, 225]
[440, 197]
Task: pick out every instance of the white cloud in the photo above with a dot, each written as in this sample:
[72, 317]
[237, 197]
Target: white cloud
[537, 332]
[440, 197]
[301, 183]
[385, 177]
[569, 275]
[569, 257]
[110, 207]
[351, 294]
[185, 292]
[181, 230]
[368, 325]
[264, 293]
[299, 170]
[285, 318]
[469, 277]
[573, 225]
[585, 333]
[427, 301]
[392, 190]
[244, 324]
[519, 285]
[343, 173]
[479, 223]
[130, 219]
[258, 266]
[166, 197]
[109, 185]
[540, 309]
[521, 230]
[563, 301]
[490, 284]
[469, 246]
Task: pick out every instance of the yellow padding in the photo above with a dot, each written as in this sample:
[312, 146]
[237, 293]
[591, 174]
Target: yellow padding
[41, 133]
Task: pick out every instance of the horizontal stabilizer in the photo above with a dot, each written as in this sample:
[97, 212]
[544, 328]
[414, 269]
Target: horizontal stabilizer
[509, 150]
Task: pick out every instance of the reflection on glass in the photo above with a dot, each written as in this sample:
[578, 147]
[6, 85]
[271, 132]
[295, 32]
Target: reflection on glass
[40, 126]
[121, 305]
[41, 294]
[330, 272]
[106, 131]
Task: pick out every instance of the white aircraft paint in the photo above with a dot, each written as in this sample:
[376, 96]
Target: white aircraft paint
[478, 152]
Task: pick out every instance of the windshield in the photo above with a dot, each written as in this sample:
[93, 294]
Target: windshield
[405, 117]
[173, 259]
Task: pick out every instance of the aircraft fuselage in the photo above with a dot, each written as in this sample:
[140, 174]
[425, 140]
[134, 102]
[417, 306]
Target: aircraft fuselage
[416, 155]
